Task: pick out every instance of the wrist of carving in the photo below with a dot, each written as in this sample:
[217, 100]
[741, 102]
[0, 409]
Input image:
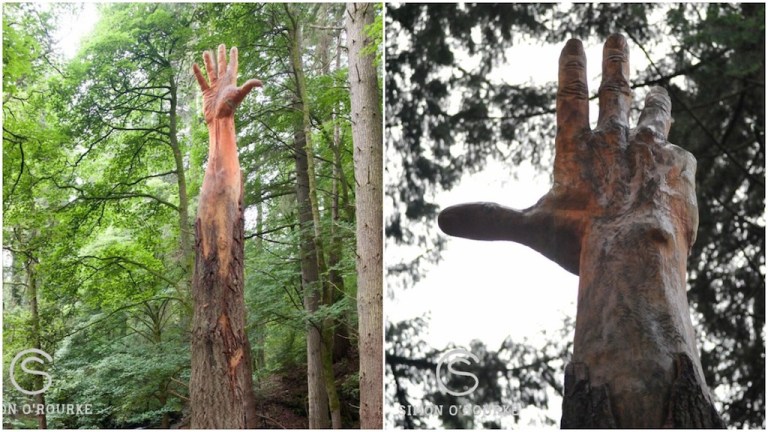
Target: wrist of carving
[221, 124]
[222, 131]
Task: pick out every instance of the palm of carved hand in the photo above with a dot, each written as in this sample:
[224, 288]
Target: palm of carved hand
[599, 174]
[221, 96]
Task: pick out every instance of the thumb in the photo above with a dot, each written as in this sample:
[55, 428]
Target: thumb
[554, 234]
[244, 89]
[481, 221]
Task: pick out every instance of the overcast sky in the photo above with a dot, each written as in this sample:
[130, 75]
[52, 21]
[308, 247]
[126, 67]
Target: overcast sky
[73, 27]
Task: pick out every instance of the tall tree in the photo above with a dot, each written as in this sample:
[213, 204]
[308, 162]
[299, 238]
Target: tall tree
[367, 138]
[131, 114]
[313, 261]
[221, 385]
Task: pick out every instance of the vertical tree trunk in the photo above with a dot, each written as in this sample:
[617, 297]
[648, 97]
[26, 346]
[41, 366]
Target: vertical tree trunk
[334, 288]
[334, 404]
[42, 420]
[162, 398]
[310, 281]
[251, 419]
[330, 397]
[367, 142]
[221, 382]
[259, 360]
[184, 230]
[334, 283]
[340, 200]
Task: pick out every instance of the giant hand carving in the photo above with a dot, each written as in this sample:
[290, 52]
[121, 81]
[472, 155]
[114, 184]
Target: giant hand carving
[602, 173]
[222, 95]
[622, 215]
[221, 387]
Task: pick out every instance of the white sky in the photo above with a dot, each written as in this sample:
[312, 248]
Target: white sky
[73, 27]
[494, 290]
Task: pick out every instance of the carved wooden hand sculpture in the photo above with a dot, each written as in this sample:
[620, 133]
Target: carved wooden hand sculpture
[622, 214]
[222, 185]
[222, 96]
[221, 388]
[599, 174]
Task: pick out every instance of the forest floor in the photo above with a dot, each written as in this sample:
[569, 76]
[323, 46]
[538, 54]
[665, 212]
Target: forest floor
[281, 397]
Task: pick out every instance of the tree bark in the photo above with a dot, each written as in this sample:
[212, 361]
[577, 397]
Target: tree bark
[319, 408]
[221, 381]
[334, 286]
[367, 142]
[312, 286]
[184, 236]
[42, 419]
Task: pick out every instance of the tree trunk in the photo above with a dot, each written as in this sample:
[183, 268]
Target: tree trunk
[251, 418]
[310, 281]
[184, 231]
[367, 142]
[259, 360]
[221, 382]
[334, 404]
[332, 343]
[334, 283]
[318, 417]
[42, 420]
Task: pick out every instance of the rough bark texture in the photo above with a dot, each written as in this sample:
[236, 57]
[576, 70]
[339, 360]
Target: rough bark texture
[221, 372]
[583, 405]
[621, 214]
[367, 141]
[310, 281]
[184, 231]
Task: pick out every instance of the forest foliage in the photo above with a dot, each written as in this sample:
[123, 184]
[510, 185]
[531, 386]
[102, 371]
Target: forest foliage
[103, 160]
[446, 120]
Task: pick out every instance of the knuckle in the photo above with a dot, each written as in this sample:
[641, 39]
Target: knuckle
[574, 88]
[649, 134]
[614, 56]
[616, 85]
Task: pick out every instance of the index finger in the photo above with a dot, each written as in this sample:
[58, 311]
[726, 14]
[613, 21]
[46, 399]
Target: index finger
[614, 94]
[572, 95]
